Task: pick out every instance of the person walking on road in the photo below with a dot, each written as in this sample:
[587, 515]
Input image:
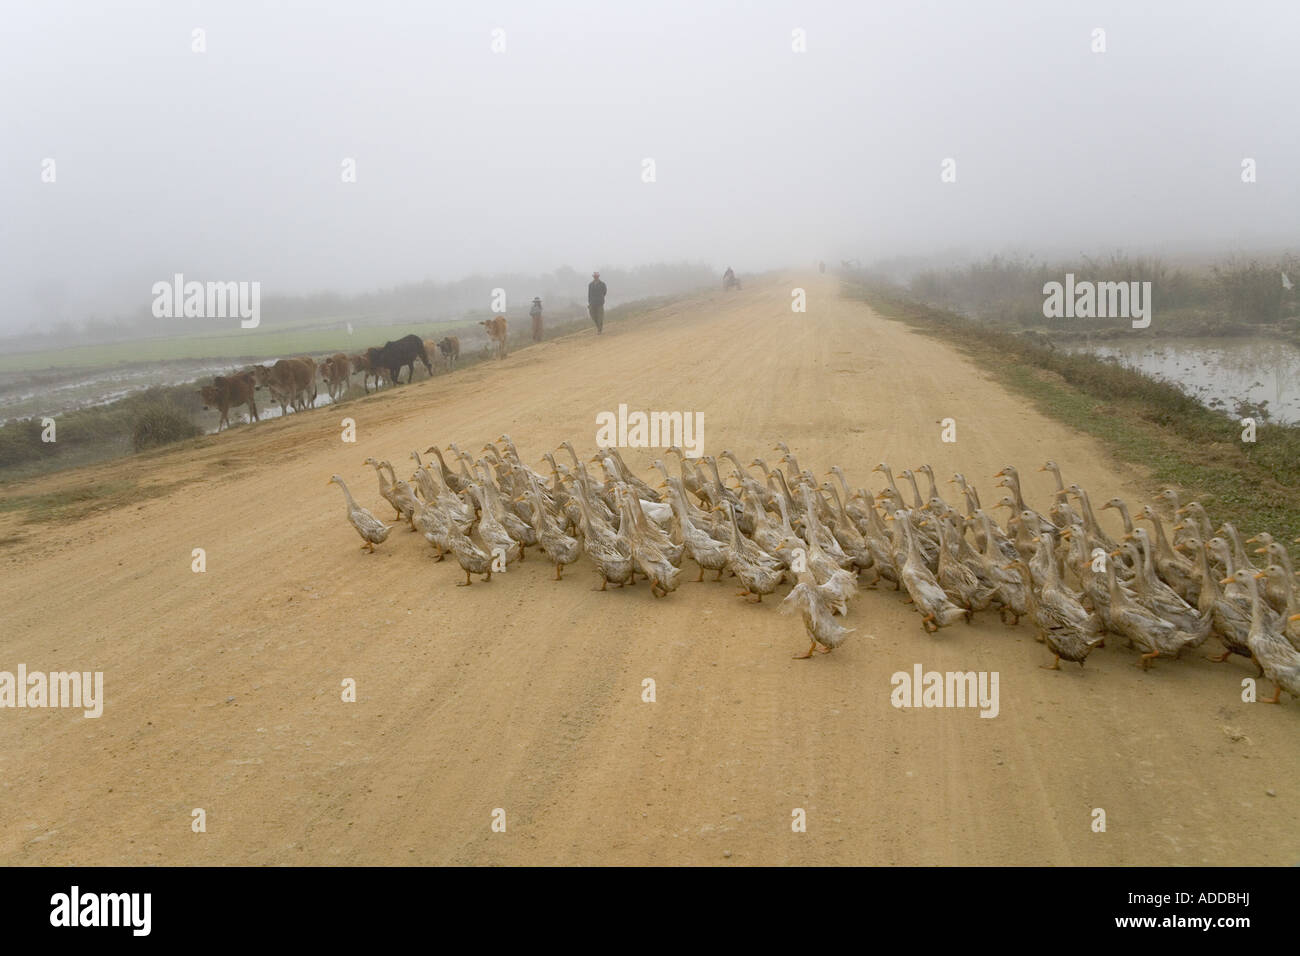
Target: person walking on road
[536, 313]
[596, 301]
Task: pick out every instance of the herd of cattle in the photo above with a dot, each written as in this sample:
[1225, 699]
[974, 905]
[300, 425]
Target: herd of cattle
[291, 382]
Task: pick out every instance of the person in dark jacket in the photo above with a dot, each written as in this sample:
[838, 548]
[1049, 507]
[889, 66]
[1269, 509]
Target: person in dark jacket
[536, 313]
[596, 301]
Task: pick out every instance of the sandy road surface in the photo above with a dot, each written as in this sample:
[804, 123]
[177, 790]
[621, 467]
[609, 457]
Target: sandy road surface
[223, 688]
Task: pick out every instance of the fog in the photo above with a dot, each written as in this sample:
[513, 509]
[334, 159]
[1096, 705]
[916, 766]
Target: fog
[227, 164]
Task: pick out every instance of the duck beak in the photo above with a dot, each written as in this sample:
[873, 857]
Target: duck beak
[1227, 580]
[1260, 575]
[1294, 617]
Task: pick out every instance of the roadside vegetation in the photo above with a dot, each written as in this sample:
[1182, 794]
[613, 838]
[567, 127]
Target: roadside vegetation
[1184, 444]
[1234, 297]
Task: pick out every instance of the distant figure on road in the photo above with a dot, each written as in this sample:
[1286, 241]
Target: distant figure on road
[536, 313]
[596, 301]
[821, 267]
[729, 280]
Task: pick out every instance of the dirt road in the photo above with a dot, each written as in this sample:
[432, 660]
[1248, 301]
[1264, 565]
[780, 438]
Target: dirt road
[224, 688]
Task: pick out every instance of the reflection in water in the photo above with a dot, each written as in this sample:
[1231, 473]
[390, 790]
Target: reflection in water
[1226, 370]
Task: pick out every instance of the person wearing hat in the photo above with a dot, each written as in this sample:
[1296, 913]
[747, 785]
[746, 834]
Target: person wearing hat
[536, 313]
[596, 301]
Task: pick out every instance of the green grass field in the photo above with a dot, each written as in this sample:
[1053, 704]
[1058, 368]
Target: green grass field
[235, 344]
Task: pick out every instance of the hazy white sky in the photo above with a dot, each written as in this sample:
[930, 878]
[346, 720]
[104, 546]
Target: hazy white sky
[226, 164]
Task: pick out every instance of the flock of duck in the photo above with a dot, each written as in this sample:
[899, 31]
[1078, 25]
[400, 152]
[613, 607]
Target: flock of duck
[1163, 592]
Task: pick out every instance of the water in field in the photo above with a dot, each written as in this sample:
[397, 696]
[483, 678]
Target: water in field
[1220, 372]
[56, 391]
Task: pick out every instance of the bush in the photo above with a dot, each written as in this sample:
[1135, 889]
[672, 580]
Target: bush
[161, 423]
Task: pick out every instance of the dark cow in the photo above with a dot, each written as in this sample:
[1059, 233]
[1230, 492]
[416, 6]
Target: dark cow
[395, 356]
[450, 349]
[230, 391]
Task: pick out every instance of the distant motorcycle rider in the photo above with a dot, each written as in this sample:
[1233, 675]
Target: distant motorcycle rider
[596, 301]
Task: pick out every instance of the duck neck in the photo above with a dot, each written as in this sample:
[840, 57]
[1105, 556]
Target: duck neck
[1256, 605]
[352, 505]
[1209, 584]
[934, 489]
[1162, 543]
[1014, 481]
[1123, 513]
[916, 491]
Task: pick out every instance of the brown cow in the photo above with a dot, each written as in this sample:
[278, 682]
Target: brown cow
[361, 363]
[230, 391]
[431, 349]
[335, 370]
[309, 393]
[496, 333]
[449, 346]
[289, 382]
